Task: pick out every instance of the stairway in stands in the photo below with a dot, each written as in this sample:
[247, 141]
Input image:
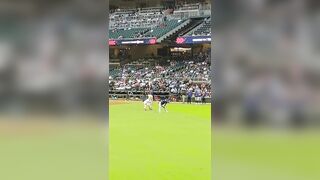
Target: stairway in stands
[194, 22]
[180, 26]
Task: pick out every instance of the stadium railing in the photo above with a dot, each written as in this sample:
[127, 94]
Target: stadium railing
[140, 95]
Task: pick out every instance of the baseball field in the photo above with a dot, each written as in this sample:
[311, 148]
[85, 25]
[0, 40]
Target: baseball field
[178, 146]
[152, 146]
[51, 148]
[148, 145]
[266, 154]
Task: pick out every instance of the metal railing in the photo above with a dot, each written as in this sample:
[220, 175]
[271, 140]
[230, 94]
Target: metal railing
[141, 95]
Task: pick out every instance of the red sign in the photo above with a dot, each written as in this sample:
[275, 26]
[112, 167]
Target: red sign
[112, 43]
[180, 40]
[152, 41]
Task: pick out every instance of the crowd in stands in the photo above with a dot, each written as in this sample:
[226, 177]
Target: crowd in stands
[172, 76]
[149, 22]
[203, 29]
[184, 7]
[135, 19]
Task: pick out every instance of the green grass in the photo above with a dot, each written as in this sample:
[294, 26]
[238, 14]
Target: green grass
[52, 152]
[153, 146]
[159, 146]
[266, 154]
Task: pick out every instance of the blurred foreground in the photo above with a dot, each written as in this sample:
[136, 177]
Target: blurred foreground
[53, 57]
[267, 90]
[265, 154]
[48, 148]
[53, 69]
[266, 77]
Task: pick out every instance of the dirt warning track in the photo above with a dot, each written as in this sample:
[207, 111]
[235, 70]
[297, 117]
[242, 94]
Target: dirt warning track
[117, 102]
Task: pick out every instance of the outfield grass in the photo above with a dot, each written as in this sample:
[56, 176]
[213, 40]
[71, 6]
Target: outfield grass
[159, 146]
[153, 146]
[53, 150]
[266, 154]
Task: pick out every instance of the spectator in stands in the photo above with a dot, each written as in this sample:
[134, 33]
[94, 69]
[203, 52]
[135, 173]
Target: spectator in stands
[197, 94]
[203, 96]
[189, 94]
[174, 77]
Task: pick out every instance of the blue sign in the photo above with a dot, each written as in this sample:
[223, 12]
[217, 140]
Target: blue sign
[193, 39]
[117, 42]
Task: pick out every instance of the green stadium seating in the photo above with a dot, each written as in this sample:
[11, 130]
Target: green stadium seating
[145, 32]
[130, 33]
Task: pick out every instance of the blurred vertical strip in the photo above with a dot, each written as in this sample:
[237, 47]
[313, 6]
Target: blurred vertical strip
[266, 86]
[107, 86]
[54, 56]
[53, 85]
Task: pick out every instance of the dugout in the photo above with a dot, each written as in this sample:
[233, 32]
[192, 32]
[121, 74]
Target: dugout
[126, 53]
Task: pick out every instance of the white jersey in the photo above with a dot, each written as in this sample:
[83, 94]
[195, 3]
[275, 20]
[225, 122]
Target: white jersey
[147, 102]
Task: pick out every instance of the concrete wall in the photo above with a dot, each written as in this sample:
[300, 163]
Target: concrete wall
[143, 51]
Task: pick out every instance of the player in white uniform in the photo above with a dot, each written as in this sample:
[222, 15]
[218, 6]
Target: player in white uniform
[148, 103]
